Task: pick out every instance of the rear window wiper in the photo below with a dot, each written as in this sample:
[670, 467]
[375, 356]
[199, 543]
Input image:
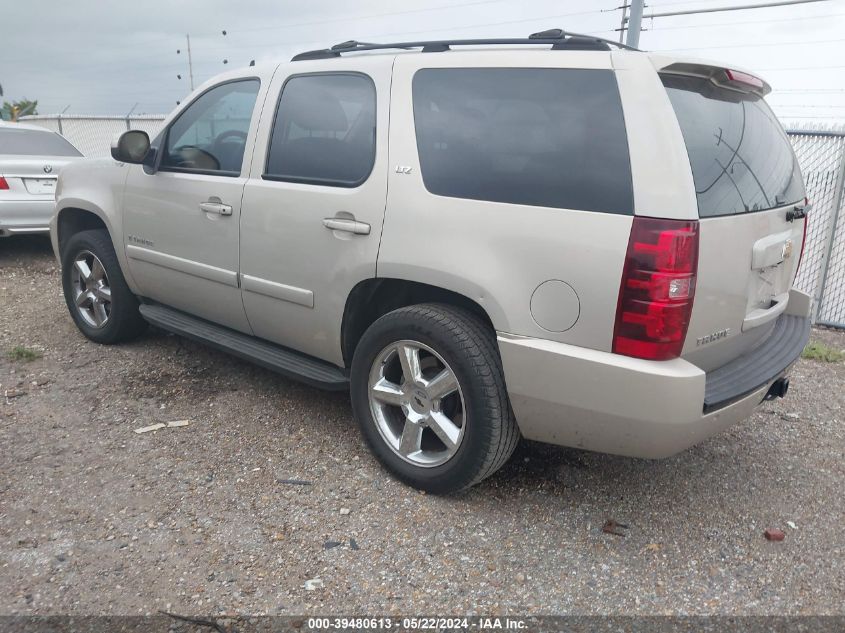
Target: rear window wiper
[798, 211]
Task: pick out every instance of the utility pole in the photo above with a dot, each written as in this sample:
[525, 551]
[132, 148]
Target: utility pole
[190, 61]
[634, 23]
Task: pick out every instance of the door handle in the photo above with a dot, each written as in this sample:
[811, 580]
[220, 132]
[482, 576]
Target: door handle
[216, 207]
[347, 225]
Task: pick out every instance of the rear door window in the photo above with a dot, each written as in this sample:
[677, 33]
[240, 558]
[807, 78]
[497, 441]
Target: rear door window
[533, 136]
[325, 130]
[741, 158]
[34, 143]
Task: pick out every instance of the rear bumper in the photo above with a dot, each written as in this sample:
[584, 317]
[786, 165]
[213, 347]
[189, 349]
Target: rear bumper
[25, 216]
[780, 349]
[571, 396]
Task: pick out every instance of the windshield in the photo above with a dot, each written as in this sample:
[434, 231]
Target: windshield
[740, 156]
[34, 143]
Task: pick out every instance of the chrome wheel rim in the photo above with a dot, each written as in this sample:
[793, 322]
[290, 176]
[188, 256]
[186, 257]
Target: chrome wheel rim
[91, 291]
[417, 403]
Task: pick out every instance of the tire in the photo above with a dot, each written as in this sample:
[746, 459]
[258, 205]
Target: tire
[448, 339]
[123, 321]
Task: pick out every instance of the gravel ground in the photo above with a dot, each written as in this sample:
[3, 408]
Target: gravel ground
[96, 519]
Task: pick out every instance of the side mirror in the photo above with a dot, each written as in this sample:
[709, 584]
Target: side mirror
[131, 147]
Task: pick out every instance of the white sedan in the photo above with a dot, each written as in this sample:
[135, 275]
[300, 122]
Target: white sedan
[30, 160]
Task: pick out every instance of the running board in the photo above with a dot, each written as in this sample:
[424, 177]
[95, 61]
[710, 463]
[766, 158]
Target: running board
[309, 370]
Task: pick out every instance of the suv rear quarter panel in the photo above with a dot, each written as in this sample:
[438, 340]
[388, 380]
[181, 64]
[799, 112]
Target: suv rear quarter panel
[498, 254]
[663, 184]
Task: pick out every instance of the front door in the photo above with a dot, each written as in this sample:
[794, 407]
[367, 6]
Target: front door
[314, 206]
[181, 222]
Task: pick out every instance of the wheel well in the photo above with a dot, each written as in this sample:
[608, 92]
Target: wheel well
[373, 298]
[75, 220]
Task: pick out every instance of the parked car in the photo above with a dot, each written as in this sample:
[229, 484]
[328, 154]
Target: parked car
[30, 160]
[541, 237]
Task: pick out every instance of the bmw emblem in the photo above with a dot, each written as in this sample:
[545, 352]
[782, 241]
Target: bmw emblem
[48, 169]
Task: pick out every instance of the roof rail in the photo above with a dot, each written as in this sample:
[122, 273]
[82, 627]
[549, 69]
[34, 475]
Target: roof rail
[557, 38]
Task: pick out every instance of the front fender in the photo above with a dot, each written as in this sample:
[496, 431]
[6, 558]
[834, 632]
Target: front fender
[95, 186]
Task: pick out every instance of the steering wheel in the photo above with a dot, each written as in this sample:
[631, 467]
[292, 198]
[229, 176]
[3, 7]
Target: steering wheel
[220, 138]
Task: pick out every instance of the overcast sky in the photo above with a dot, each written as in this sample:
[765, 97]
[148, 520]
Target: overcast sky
[101, 57]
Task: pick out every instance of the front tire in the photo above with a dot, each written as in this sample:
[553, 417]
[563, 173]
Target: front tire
[101, 304]
[429, 394]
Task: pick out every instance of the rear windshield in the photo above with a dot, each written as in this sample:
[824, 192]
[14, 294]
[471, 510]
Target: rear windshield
[740, 156]
[534, 136]
[34, 143]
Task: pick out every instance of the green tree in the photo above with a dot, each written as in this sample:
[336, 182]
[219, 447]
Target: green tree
[11, 110]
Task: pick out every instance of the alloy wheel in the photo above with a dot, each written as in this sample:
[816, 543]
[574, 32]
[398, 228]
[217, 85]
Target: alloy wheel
[91, 291]
[417, 403]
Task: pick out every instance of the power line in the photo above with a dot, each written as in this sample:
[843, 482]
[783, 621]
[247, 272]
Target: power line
[704, 26]
[175, 66]
[799, 68]
[438, 30]
[366, 17]
[634, 20]
[678, 2]
[349, 18]
[765, 5]
[778, 43]
[811, 107]
[176, 36]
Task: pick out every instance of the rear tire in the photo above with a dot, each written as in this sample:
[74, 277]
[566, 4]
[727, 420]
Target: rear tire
[406, 422]
[100, 303]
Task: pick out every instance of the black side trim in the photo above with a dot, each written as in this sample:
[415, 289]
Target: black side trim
[298, 366]
[764, 363]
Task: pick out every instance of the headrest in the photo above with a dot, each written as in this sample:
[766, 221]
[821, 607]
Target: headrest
[313, 108]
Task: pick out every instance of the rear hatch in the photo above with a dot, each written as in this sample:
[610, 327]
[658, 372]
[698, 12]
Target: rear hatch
[751, 200]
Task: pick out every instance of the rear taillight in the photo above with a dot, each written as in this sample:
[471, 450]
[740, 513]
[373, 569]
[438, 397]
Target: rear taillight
[658, 287]
[3, 184]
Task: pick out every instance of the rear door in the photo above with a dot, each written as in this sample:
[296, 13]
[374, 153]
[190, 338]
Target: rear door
[510, 184]
[314, 204]
[747, 186]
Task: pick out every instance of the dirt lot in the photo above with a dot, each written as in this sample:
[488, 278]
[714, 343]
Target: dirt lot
[202, 519]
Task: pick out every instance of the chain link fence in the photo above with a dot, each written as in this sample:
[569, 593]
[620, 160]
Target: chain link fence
[821, 154]
[92, 135]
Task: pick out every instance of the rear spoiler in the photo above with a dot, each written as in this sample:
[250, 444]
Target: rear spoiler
[728, 78]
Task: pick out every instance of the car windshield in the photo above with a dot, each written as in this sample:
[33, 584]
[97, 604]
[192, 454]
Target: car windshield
[34, 143]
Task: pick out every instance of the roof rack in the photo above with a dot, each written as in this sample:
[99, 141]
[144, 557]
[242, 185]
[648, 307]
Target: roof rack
[557, 38]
